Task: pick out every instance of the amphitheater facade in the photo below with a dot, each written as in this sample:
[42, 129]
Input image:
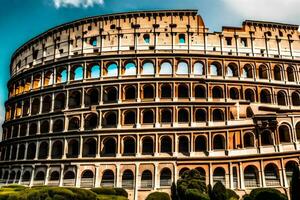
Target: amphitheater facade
[133, 100]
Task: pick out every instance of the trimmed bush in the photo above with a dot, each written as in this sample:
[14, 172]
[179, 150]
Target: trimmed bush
[267, 193]
[218, 192]
[192, 194]
[104, 190]
[295, 184]
[231, 195]
[158, 195]
[121, 192]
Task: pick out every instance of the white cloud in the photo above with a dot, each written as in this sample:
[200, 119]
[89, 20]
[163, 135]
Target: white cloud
[77, 3]
[275, 10]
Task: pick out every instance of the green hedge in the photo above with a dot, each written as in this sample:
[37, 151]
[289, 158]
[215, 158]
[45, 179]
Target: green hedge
[110, 191]
[265, 194]
[192, 194]
[158, 196]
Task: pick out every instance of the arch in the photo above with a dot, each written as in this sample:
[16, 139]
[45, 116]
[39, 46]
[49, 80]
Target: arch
[110, 94]
[33, 129]
[146, 38]
[94, 71]
[232, 70]
[35, 106]
[181, 38]
[271, 175]
[91, 121]
[148, 117]
[263, 72]
[108, 178]
[74, 124]
[290, 74]
[48, 78]
[200, 115]
[184, 146]
[73, 148]
[216, 69]
[218, 115]
[77, 73]
[112, 69]
[91, 97]
[234, 93]
[298, 131]
[109, 147]
[31, 151]
[59, 102]
[265, 96]
[248, 71]
[129, 118]
[69, 176]
[219, 175]
[295, 99]
[47, 104]
[110, 119]
[165, 177]
[89, 148]
[130, 92]
[182, 68]
[200, 143]
[148, 68]
[277, 73]
[36, 81]
[166, 68]
[267, 138]
[57, 150]
[127, 179]
[54, 176]
[25, 111]
[219, 142]
[249, 95]
[249, 139]
[281, 98]
[251, 176]
[198, 68]
[61, 75]
[146, 179]
[166, 144]
[130, 69]
[183, 116]
[200, 91]
[40, 176]
[129, 146]
[284, 134]
[148, 92]
[166, 91]
[289, 169]
[183, 90]
[43, 150]
[75, 99]
[147, 146]
[21, 153]
[87, 179]
[202, 174]
[182, 171]
[217, 92]
[58, 125]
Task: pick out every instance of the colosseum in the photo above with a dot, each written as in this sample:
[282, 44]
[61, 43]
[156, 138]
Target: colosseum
[134, 99]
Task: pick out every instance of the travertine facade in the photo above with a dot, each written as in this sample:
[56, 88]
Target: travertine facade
[134, 99]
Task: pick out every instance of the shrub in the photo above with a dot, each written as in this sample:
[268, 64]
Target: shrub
[231, 195]
[218, 192]
[121, 192]
[267, 193]
[192, 194]
[158, 195]
[104, 190]
[295, 184]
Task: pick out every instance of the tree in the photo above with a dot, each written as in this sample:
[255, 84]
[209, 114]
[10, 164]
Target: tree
[218, 192]
[295, 184]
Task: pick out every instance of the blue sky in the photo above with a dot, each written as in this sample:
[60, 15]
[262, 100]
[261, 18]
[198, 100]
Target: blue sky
[21, 20]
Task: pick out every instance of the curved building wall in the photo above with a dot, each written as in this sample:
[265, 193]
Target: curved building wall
[133, 100]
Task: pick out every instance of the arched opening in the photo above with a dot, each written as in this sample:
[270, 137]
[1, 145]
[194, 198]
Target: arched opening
[266, 138]
[182, 68]
[277, 73]
[183, 116]
[281, 98]
[248, 140]
[165, 177]
[166, 68]
[200, 91]
[216, 69]
[148, 92]
[91, 121]
[181, 38]
[75, 99]
[200, 115]
[26, 177]
[54, 178]
[202, 174]
[166, 91]
[110, 119]
[219, 175]
[247, 71]
[43, 150]
[91, 97]
[219, 142]
[295, 99]
[36, 81]
[112, 70]
[290, 74]
[110, 95]
[251, 177]
[183, 91]
[217, 92]
[58, 125]
[76, 73]
[249, 95]
[87, 179]
[272, 175]
[184, 145]
[166, 145]
[89, 148]
[265, 96]
[284, 134]
[57, 150]
[108, 179]
[146, 179]
[59, 102]
[232, 70]
[33, 129]
[31, 151]
[109, 147]
[25, 109]
[129, 146]
[200, 144]
[94, 71]
[148, 117]
[21, 153]
[61, 75]
[127, 179]
[148, 68]
[298, 131]
[218, 115]
[147, 146]
[146, 38]
[263, 72]
[39, 177]
[69, 179]
[198, 68]
[48, 78]
[73, 149]
[47, 104]
[234, 93]
[129, 118]
[130, 69]
[182, 171]
[35, 106]
[74, 124]
[130, 93]
[289, 169]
